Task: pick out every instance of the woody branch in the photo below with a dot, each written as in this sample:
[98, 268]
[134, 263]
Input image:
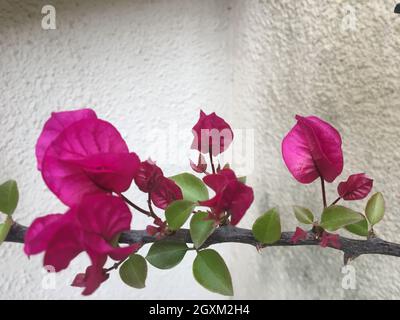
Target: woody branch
[351, 248]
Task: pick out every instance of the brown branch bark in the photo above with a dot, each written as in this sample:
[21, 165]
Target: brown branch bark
[351, 248]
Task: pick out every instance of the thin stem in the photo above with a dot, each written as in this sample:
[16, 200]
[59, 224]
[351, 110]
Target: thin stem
[114, 266]
[336, 201]
[152, 213]
[147, 213]
[323, 192]
[211, 159]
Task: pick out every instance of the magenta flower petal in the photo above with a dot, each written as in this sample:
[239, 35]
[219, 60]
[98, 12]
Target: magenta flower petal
[299, 235]
[231, 195]
[89, 157]
[312, 149]
[150, 179]
[104, 215]
[201, 165]
[211, 131]
[96, 245]
[111, 171]
[166, 192]
[122, 253]
[94, 278]
[79, 280]
[55, 125]
[148, 176]
[217, 182]
[214, 203]
[357, 187]
[151, 230]
[63, 247]
[330, 239]
[91, 226]
[91, 280]
[244, 197]
[41, 232]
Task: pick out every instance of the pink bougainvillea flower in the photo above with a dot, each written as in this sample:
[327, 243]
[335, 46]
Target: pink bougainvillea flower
[42, 231]
[211, 133]
[150, 179]
[88, 157]
[101, 218]
[148, 176]
[90, 226]
[57, 123]
[357, 187]
[58, 235]
[299, 235]
[91, 279]
[312, 149]
[231, 195]
[166, 192]
[201, 165]
[330, 239]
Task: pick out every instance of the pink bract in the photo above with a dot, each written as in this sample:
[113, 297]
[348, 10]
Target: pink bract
[330, 239]
[357, 187]
[90, 226]
[201, 165]
[57, 123]
[89, 157]
[299, 235]
[151, 179]
[211, 132]
[148, 176]
[166, 192]
[90, 280]
[312, 149]
[231, 195]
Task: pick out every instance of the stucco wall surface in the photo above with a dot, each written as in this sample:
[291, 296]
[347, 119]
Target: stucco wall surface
[147, 67]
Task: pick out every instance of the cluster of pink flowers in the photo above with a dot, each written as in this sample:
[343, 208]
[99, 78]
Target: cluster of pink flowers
[212, 136]
[313, 149]
[86, 163]
[162, 191]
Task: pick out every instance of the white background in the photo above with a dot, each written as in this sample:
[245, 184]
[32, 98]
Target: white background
[148, 66]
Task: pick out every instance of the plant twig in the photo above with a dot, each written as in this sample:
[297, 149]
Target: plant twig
[211, 159]
[151, 210]
[352, 248]
[336, 201]
[323, 192]
[129, 202]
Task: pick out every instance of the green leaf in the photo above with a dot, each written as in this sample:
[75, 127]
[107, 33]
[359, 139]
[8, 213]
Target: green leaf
[200, 228]
[178, 212]
[5, 229]
[267, 228]
[303, 215]
[375, 208]
[166, 254]
[210, 271]
[134, 271]
[8, 197]
[336, 217]
[359, 228]
[193, 188]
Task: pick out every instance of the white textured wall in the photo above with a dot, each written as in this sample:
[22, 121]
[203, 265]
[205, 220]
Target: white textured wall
[292, 57]
[145, 65]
